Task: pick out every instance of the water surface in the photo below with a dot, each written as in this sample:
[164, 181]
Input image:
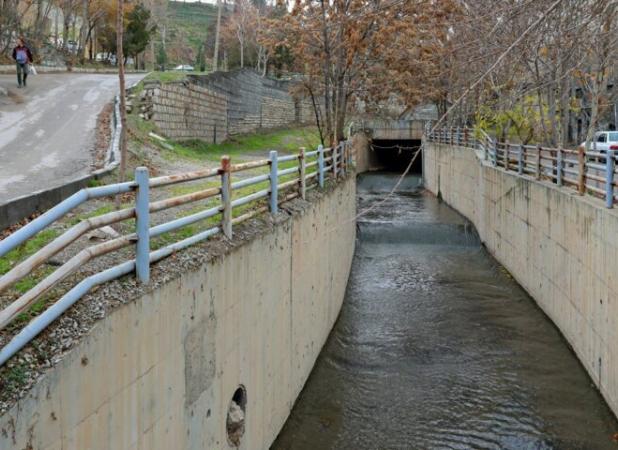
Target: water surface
[437, 347]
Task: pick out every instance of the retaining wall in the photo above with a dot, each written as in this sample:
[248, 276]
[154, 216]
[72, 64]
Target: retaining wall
[366, 158]
[159, 372]
[561, 247]
[223, 104]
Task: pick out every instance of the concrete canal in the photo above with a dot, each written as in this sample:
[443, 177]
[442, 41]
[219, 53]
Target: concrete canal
[437, 347]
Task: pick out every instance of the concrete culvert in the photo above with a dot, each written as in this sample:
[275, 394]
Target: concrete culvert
[395, 155]
[235, 422]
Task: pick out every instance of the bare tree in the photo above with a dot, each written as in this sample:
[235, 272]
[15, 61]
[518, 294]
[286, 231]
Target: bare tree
[122, 94]
[215, 59]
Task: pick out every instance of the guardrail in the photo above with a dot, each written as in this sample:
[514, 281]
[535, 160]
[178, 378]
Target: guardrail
[309, 170]
[588, 172]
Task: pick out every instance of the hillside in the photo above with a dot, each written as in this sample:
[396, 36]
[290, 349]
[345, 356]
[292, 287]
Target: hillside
[189, 25]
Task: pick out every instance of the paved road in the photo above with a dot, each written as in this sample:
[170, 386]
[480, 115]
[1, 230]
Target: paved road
[47, 130]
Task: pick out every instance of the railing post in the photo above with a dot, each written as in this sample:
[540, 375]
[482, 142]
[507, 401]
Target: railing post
[538, 163]
[505, 156]
[274, 179]
[581, 179]
[494, 147]
[321, 166]
[226, 196]
[609, 179]
[520, 160]
[466, 136]
[334, 162]
[559, 165]
[342, 161]
[351, 153]
[458, 137]
[142, 225]
[302, 183]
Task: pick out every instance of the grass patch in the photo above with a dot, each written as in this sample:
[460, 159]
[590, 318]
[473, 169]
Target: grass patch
[170, 76]
[14, 377]
[26, 249]
[183, 189]
[106, 208]
[284, 141]
[27, 283]
[94, 182]
[139, 125]
[37, 308]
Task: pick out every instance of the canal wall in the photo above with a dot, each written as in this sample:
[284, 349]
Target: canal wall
[560, 246]
[160, 371]
[365, 157]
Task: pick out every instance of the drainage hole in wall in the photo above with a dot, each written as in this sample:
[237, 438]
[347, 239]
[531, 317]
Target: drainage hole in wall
[236, 416]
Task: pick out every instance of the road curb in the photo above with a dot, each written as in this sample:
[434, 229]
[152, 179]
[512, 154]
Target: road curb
[9, 69]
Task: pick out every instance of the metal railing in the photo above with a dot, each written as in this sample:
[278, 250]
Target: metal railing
[588, 172]
[309, 170]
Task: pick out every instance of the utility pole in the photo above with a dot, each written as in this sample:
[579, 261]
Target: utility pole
[215, 59]
[123, 103]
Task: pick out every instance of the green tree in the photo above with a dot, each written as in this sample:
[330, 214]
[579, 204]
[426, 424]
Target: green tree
[161, 57]
[200, 61]
[138, 32]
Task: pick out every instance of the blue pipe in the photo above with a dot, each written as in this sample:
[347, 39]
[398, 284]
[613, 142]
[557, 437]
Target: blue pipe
[287, 158]
[288, 171]
[250, 181]
[142, 225]
[249, 198]
[184, 221]
[321, 166]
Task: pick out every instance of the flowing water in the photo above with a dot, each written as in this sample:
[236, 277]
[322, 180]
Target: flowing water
[437, 347]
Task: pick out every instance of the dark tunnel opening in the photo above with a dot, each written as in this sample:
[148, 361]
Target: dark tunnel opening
[395, 155]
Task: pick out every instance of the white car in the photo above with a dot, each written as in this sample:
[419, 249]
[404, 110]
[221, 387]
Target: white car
[603, 141]
[184, 67]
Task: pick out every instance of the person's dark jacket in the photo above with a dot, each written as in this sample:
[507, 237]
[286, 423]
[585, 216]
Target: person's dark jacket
[28, 52]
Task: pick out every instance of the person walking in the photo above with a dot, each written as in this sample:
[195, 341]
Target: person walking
[22, 57]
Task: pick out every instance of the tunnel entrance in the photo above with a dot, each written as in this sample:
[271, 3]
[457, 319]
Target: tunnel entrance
[395, 155]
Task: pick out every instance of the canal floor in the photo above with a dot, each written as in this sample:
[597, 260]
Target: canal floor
[438, 347]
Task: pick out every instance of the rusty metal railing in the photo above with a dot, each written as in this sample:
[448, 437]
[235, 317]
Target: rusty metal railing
[310, 170]
[588, 172]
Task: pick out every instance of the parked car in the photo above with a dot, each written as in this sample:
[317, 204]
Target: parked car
[72, 46]
[185, 68]
[603, 141]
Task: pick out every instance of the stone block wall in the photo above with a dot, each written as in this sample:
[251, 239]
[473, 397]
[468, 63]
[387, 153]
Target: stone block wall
[223, 104]
[188, 111]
